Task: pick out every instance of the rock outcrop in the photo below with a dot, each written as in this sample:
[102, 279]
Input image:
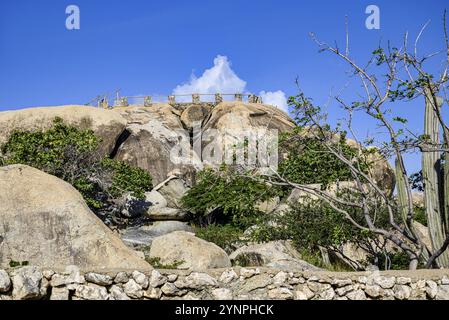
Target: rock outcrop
[232, 124]
[173, 191]
[106, 125]
[143, 236]
[229, 115]
[188, 251]
[158, 208]
[194, 114]
[45, 221]
[275, 254]
[157, 142]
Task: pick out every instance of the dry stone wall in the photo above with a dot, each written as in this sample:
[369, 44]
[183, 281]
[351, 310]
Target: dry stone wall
[221, 284]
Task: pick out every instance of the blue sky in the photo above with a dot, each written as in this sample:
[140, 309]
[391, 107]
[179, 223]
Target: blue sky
[151, 47]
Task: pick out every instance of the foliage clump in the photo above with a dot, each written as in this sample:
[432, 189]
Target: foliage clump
[156, 263]
[308, 161]
[225, 236]
[225, 196]
[72, 154]
[223, 204]
[313, 225]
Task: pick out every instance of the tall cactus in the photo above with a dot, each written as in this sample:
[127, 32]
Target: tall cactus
[435, 199]
[402, 192]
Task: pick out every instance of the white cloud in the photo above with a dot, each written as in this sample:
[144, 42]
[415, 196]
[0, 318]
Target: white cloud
[276, 98]
[218, 79]
[222, 79]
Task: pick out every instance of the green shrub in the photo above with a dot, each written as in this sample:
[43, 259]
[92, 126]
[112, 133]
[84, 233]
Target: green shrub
[223, 236]
[48, 150]
[420, 215]
[314, 224]
[127, 178]
[71, 154]
[310, 225]
[227, 195]
[15, 264]
[156, 263]
[392, 261]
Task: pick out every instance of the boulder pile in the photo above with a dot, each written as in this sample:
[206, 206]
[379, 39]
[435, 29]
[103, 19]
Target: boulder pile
[45, 222]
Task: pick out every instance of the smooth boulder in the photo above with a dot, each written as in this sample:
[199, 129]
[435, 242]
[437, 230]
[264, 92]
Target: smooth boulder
[173, 191]
[232, 122]
[188, 251]
[275, 254]
[241, 115]
[45, 221]
[143, 236]
[158, 208]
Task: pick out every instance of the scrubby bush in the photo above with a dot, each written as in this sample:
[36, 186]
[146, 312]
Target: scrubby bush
[51, 149]
[310, 224]
[392, 261]
[420, 215]
[126, 178]
[224, 236]
[313, 225]
[223, 205]
[226, 197]
[71, 154]
[308, 161]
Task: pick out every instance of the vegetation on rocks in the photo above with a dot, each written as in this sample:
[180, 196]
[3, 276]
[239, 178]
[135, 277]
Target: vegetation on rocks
[225, 196]
[225, 236]
[71, 154]
[156, 263]
[224, 202]
[307, 160]
[336, 191]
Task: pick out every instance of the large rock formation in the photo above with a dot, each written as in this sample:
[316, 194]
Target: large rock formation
[194, 114]
[157, 138]
[231, 125]
[142, 237]
[157, 142]
[275, 254]
[159, 210]
[106, 125]
[189, 251]
[44, 220]
[239, 115]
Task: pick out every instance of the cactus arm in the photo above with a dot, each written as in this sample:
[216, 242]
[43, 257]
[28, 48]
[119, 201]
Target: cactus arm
[402, 193]
[430, 172]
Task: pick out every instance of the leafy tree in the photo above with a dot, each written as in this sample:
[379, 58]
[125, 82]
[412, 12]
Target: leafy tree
[223, 204]
[391, 74]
